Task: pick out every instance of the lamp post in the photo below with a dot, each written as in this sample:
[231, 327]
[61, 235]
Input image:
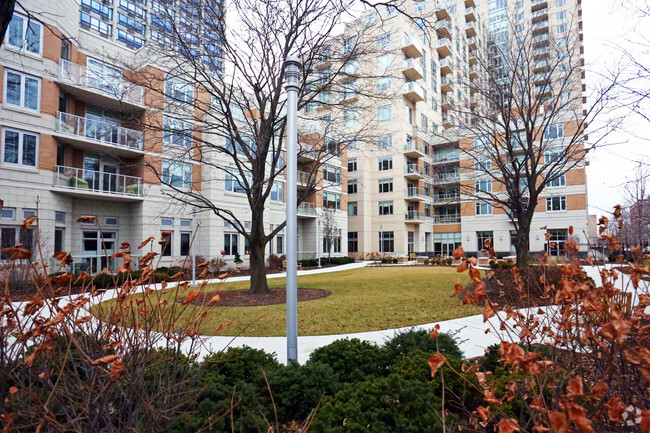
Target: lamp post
[318, 233]
[292, 67]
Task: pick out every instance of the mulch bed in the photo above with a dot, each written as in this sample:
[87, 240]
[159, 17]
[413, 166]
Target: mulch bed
[245, 298]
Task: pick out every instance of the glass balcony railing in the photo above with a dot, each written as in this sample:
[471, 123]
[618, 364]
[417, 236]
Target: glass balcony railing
[97, 130]
[100, 182]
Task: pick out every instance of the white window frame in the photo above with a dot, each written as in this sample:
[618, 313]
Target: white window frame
[386, 207]
[385, 114]
[164, 222]
[21, 145]
[386, 59]
[483, 186]
[23, 47]
[384, 84]
[23, 77]
[8, 209]
[175, 87]
[172, 164]
[171, 126]
[385, 185]
[563, 203]
[483, 208]
[558, 182]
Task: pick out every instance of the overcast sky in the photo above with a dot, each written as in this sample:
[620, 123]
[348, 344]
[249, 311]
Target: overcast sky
[608, 28]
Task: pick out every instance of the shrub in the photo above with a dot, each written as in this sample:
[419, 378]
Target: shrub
[408, 341]
[352, 360]
[395, 260]
[427, 261]
[275, 262]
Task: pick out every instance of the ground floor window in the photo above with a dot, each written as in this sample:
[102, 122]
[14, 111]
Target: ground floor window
[353, 242]
[386, 242]
[484, 240]
[411, 242]
[445, 243]
[230, 244]
[186, 240]
[332, 245]
[10, 236]
[166, 245]
[58, 239]
[555, 244]
[279, 244]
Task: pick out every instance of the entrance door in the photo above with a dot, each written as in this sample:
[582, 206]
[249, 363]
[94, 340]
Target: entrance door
[96, 250]
[101, 172]
[555, 245]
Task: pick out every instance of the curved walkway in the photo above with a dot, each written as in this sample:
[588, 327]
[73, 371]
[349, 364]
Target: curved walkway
[470, 331]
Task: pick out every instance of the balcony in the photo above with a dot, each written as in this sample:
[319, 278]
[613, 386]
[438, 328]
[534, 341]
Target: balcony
[413, 149]
[444, 47]
[412, 47]
[307, 153]
[93, 184]
[415, 194]
[443, 28]
[414, 171]
[448, 121]
[103, 89]
[536, 5]
[413, 91]
[470, 4]
[472, 43]
[307, 210]
[473, 71]
[540, 27]
[447, 101]
[470, 14]
[305, 180]
[442, 178]
[415, 217]
[412, 69]
[446, 85]
[539, 15]
[446, 66]
[442, 13]
[88, 134]
[442, 158]
[473, 60]
[447, 219]
[443, 199]
[470, 29]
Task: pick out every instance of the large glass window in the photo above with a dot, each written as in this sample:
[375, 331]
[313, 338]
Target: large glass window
[385, 114]
[230, 245]
[353, 208]
[483, 208]
[554, 131]
[185, 243]
[483, 185]
[331, 200]
[385, 163]
[352, 186]
[353, 242]
[332, 174]
[385, 141]
[386, 207]
[385, 185]
[96, 24]
[352, 164]
[177, 174]
[166, 244]
[555, 204]
[26, 34]
[178, 89]
[383, 84]
[22, 90]
[383, 40]
[19, 147]
[386, 242]
[384, 61]
[177, 132]
[484, 240]
[277, 191]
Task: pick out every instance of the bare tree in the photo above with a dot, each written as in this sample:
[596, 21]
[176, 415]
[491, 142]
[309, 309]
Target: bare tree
[635, 230]
[331, 231]
[527, 118]
[6, 12]
[222, 98]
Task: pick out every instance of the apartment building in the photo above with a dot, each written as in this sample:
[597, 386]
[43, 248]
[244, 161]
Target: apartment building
[408, 178]
[73, 143]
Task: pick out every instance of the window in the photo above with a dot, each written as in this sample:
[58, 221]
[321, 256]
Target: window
[519, 5]
[420, 23]
[560, 15]
[58, 239]
[177, 132]
[333, 243]
[370, 19]
[383, 84]
[481, 142]
[565, 96]
[554, 131]
[483, 164]
[25, 34]
[352, 186]
[484, 240]
[560, 3]
[230, 243]
[562, 28]
[22, 90]
[385, 163]
[383, 40]
[234, 184]
[424, 122]
[483, 208]
[349, 44]
[331, 173]
[132, 9]
[277, 191]
[385, 185]
[10, 236]
[279, 244]
[112, 221]
[185, 243]
[331, 200]
[555, 204]
[483, 185]
[129, 39]
[386, 207]
[131, 24]
[19, 148]
[386, 242]
[420, 6]
[167, 222]
[166, 244]
[178, 89]
[8, 213]
[353, 242]
[352, 164]
[553, 155]
[59, 217]
[350, 116]
[352, 208]
[385, 141]
[352, 144]
[384, 61]
[177, 174]
[385, 114]
[557, 181]
[102, 27]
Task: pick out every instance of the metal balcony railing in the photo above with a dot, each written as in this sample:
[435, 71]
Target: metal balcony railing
[97, 130]
[412, 146]
[415, 192]
[107, 82]
[446, 177]
[445, 198]
[97, 181]
[447, 219]
[414, 215]
[308, 209]
[415, 169]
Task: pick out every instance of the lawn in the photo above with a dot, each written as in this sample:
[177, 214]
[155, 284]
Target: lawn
[367, 299]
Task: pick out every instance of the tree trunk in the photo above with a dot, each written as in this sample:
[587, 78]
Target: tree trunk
[6, 13]
[523, 243]
[258, 267]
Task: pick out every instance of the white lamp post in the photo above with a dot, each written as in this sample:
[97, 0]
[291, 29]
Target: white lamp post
[292, 67]
[193, 248]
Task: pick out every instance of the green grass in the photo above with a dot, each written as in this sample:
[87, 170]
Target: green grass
[367, 299]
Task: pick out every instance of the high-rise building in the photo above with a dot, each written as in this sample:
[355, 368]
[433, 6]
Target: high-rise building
[410, 175]
[73, 141]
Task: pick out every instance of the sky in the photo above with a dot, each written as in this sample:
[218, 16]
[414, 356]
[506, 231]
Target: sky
[609, 28]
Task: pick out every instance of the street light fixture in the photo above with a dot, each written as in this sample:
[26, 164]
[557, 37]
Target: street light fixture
[292, 68]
